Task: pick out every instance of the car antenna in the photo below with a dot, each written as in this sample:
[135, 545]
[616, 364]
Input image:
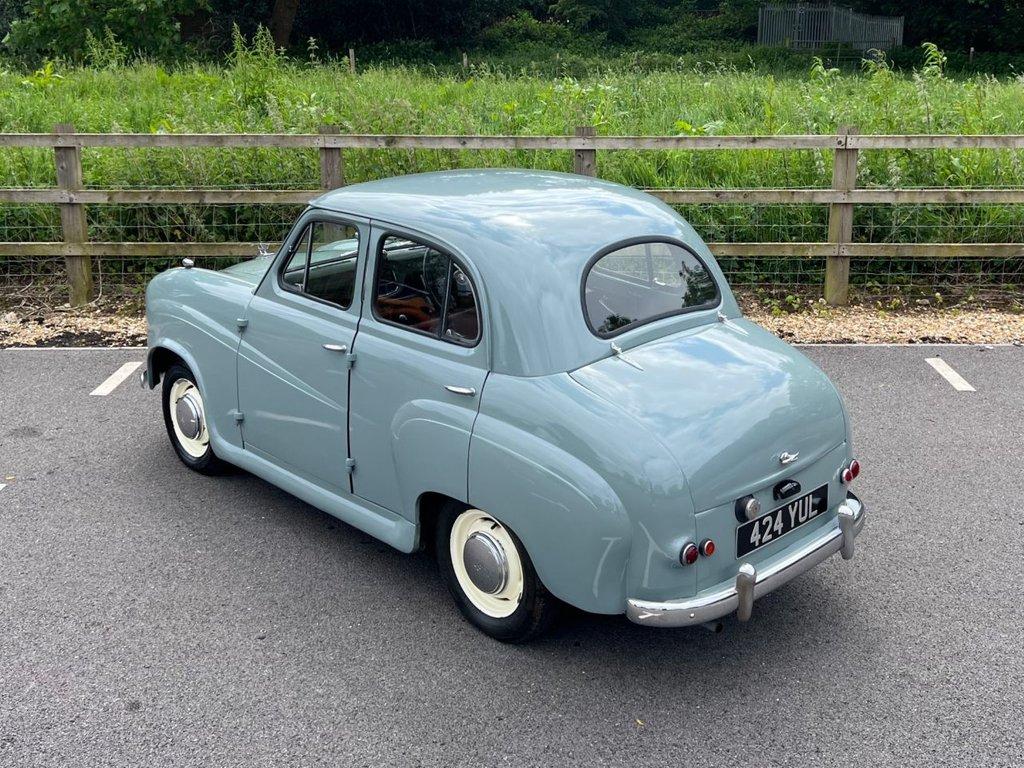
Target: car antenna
[617, 351]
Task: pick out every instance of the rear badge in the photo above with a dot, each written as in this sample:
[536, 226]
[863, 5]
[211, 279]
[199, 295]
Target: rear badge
[785, 489]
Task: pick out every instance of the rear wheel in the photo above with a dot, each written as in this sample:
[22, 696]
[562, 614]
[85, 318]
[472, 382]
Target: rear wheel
[185, 419]
[490, 575]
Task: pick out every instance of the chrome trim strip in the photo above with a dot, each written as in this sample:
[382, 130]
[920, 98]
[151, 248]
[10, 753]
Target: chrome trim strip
[740, 595]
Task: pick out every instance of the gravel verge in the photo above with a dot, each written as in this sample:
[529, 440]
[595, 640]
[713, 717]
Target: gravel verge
[113, 323]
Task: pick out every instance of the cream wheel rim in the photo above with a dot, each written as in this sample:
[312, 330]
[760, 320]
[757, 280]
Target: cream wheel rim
[188, 417]
[481, 544]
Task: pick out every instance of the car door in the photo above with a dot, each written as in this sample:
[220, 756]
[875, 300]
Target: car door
[293, 361]
[421, 363]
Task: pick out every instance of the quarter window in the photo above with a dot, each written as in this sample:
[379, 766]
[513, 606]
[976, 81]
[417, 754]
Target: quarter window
[323, 263]
[638, 283]
[423, 289]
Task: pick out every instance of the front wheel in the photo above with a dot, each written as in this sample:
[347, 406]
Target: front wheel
[185, 419]
[491, 577]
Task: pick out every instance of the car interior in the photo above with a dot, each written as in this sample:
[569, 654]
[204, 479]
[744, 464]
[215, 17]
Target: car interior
[425, 290]
[417, 286]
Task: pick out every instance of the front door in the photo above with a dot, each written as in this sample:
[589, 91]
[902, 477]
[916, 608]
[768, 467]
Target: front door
[421, 363]
[293, 362]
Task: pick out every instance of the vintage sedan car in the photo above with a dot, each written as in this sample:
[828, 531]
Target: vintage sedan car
[544, 377]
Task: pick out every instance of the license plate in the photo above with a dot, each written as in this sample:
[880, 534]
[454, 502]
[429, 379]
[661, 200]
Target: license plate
[767, 528]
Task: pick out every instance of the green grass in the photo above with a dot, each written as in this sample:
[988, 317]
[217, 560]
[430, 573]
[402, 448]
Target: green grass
[259, 92]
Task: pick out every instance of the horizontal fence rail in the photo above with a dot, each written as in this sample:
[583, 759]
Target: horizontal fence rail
[72, 196]
[409, 141]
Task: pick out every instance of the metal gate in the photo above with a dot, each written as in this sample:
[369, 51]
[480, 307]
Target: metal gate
[814, 26]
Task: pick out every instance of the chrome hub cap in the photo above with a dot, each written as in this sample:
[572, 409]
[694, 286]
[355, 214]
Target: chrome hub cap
[188, 418]
[486, 563]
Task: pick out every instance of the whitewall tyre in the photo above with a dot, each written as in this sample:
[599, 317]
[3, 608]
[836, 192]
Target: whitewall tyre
[186, 421]
[490, 575]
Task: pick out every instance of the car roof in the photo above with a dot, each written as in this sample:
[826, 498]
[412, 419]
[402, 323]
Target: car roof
[521, 202]
[530, 235]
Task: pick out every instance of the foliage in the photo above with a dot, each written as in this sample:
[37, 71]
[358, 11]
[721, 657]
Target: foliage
[260, 90]
[67, 28]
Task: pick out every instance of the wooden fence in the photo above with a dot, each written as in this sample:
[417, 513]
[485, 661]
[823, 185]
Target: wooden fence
[841, 197]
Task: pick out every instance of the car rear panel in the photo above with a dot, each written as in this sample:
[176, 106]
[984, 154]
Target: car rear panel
[720, 523]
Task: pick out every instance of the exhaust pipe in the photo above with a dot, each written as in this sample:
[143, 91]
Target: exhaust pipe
[714, 627]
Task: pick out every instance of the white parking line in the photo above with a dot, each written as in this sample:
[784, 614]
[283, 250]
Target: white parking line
[2, 486]
[945, 371]
[115, 379]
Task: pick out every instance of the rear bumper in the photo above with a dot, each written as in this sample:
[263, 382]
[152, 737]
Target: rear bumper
[751, 583]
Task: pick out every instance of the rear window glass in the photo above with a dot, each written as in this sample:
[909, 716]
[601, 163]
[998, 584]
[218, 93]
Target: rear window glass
[639, 283]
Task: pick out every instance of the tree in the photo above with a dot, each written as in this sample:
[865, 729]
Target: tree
[282, 19]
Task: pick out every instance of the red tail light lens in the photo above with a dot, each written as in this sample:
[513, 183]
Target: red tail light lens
[847, 476]
[855, 468]
[689, 554]
[707, 547]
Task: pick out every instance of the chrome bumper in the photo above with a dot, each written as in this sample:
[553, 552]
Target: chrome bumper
[751, 583]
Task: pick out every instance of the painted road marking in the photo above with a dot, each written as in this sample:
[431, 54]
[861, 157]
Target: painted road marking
[115, 379]
[945, 371]
[2, 486]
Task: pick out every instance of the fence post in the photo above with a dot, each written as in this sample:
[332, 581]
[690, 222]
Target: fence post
[332, 164]
[584, 161]
[352, 60]
[72, 219]
[840, 223]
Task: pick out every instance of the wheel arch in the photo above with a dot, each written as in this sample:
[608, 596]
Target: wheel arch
[572, 523]
[429, 505]
[158, 360]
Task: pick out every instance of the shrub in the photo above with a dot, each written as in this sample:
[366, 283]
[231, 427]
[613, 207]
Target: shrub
[62, 28]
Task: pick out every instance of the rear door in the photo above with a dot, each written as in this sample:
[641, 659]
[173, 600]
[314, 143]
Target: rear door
[293, 362]
[421, 363]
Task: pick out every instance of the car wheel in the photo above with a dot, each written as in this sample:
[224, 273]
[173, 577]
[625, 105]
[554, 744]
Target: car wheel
[185, 418]
[491, 577]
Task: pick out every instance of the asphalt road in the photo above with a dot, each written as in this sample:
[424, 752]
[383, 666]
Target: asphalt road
[152, 616]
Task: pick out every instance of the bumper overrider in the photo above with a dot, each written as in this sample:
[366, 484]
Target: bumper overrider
[751, 583]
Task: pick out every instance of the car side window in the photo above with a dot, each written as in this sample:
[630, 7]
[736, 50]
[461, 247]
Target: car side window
[294, 273]
[420, 288]
[323, 264]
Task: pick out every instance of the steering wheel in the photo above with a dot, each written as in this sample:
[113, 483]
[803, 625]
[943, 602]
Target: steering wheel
[434, 273]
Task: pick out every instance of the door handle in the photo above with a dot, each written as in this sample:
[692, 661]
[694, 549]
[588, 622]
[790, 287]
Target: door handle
[335, 347]
[467, 391]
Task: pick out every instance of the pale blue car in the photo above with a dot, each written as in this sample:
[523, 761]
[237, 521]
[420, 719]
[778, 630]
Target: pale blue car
[543, 377]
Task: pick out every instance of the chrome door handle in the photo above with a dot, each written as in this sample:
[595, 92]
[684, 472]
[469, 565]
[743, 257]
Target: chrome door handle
[335, 347]
[468, 391]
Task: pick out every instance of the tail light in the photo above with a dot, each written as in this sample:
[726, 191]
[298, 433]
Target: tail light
[707, 547]
[848, 474]
[689, 554]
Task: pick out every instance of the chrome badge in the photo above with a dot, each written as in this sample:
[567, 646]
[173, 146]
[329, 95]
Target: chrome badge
[788, 458]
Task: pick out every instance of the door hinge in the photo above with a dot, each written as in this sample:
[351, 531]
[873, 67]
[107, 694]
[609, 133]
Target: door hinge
[350, 465]
[350, 359]
[241, 323]
[239, 416]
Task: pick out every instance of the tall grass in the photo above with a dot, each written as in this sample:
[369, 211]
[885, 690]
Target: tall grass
[258, 91]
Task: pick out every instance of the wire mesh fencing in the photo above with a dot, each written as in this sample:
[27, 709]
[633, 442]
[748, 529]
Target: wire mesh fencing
[152, 190]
